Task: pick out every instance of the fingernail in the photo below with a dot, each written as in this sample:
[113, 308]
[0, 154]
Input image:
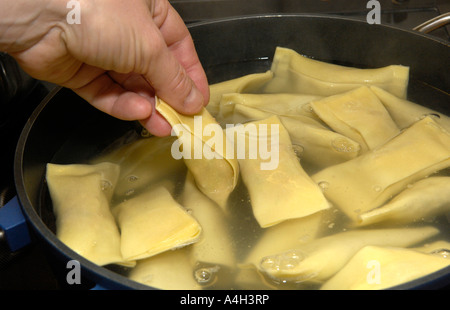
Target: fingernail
[194, 101]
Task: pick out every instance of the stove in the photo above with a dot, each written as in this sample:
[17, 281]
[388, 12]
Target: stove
[30, 268]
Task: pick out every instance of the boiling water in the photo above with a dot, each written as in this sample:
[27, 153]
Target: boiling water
[244, 232]
[243, 229]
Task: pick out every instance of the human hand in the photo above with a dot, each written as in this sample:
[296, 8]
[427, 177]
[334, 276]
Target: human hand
[120, 55]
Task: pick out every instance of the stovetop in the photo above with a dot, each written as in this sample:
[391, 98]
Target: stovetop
[30, 268]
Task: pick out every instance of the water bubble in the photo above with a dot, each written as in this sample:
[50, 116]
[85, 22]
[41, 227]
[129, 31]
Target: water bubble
[106, 185]
[132, 178]
[444, 253]
[129, 192]
[377, 188]
[324, 185]
[307, 108]
[305, 238]
[343, 145]
[206, 275]
[298, 149]
[283, 261]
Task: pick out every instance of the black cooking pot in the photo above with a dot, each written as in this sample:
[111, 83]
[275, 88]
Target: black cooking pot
[65, 129]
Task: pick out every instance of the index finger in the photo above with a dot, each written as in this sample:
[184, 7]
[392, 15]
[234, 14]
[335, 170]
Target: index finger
[181, 46]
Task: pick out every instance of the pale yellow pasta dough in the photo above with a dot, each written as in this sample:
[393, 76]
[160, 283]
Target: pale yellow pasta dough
[171, 270]
[284, 236]
[215, 245]
[405, 112]
[371, 179]
[320, 259]
[359, 115]
[420, 201]
[278, 104]
[215, 174]
[81, 203]
[142, 163]
[153, 222]
[279, 188]
[245, 84]
[316, 145]
[375, 267]
[295, 73]
[439, 248]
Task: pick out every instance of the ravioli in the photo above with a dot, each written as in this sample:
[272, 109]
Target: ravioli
[283, 237]
[316, 145]
[405, 112]
[215, 245]
[282, 104]
[81, 197]
[359, 115]
[375, 267]
[279, 188]
[152, 223]
[215, 172]
[419, 201]
[250, 83]
[171, 270]
[320, 259]
[375, 176]
[295, 73]
[143, 163]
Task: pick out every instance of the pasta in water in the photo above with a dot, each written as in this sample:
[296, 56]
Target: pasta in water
[81, 197]
[311, 261]
[283, 237]
[372, 178]
[316, 145]
[294, 73]
[171, 270]
[405, 112]
[215, 246]
[277, 104]
[388, 267]
[152, 223]
[143, 162]
[358, 114]
[217, 185]
[298, 177]
[284, 190]
[420, 201]
[245, 84]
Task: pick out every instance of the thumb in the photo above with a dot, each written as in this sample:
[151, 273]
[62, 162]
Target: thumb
[172, 71]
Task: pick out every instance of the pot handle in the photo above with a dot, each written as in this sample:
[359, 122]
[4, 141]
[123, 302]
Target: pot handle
[434, 23]
[13, 225]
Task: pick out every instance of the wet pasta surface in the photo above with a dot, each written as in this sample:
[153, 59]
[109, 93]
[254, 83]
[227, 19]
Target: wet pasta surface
[341, 153]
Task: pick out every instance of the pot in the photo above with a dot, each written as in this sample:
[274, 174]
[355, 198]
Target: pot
[65, 129]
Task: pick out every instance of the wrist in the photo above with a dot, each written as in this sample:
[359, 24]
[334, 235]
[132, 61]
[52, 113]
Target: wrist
[23, 23]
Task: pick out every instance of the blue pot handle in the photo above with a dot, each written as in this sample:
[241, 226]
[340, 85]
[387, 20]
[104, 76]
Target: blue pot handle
[14, 225]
